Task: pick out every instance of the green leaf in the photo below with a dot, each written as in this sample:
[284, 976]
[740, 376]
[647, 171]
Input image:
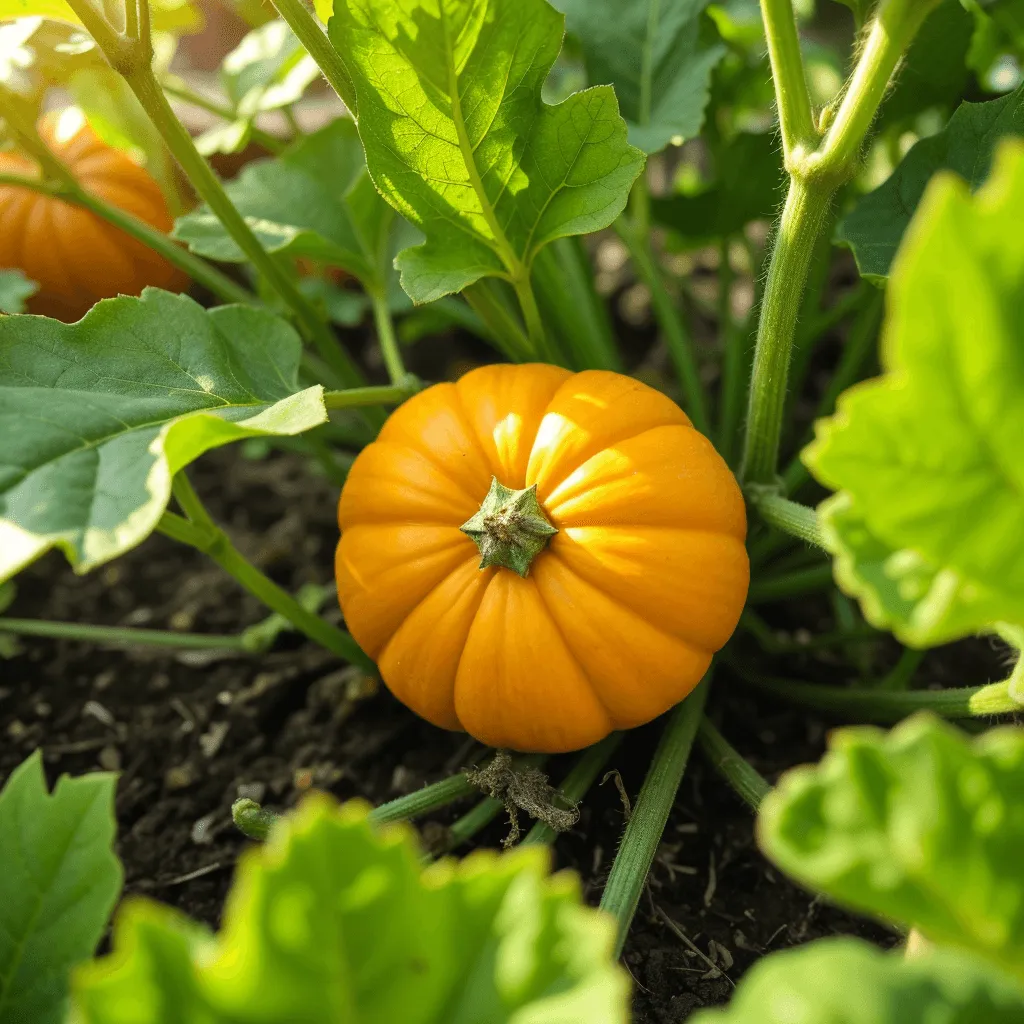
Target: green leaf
[458, 139]
[929, 456]
[847, 981]
[59, 882]
[268, 70]
[15, 288]
[747, 187]
[97, 416]
[876, 225]
[658, 56]
[335, 920]
[314, 201]
[919, 826]
[177, 16]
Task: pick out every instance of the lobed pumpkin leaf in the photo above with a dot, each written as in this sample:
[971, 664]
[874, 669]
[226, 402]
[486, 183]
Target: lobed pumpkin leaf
[876, 225]
[97, 416]
[314, 201]
[15, 289]
[920, 826]
[928, 457]
[59, 882]
[847, 981]
[334, 919]
[659, 58]
[459, 141]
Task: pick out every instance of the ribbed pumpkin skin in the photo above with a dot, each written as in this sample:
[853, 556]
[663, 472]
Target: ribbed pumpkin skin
[619, 615]
[75, 256]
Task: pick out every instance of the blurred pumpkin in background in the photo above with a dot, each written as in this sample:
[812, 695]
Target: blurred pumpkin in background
[76, 257]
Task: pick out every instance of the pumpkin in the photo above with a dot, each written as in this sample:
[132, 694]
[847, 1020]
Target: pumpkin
[538, 557]
[75, 256]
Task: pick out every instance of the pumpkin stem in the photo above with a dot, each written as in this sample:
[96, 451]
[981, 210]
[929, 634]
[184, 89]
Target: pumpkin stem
[510, 529]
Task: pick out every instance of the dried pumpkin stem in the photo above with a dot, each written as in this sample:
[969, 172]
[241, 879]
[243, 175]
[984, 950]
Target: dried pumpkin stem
[650, 813]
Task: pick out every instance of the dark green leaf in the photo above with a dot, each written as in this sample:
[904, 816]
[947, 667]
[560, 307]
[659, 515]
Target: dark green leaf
[928, 457]
[15, 288]
[59, 882]
[335, 920]
[97, 416]
[846, 981]
[459, 141]
[314, 201]
[876, 225]
[747, 187]
[658, 56]
[919, 826]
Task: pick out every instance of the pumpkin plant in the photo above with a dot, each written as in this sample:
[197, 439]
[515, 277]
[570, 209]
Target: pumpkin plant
[547, 551]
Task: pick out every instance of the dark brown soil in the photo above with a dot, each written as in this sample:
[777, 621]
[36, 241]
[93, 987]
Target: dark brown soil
[191, 732]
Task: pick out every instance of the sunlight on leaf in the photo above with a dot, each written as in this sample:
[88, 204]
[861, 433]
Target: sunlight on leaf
[847, 981]
[97, 416]
[659, 58]
[336, 920]
[59, 882]
[459, 141]
[929, 456]
[920, 826]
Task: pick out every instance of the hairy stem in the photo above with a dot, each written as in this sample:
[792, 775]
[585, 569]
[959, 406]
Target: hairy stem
[372, 394]
[789, 516]
[794, 101]
[650, 814]
[744, 778]
[309, 32]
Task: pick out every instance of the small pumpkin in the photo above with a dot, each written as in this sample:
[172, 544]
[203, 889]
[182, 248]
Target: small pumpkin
[76, 257]
[539, 557]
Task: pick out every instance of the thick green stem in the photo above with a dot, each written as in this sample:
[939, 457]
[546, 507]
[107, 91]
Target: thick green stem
[794, 101]
[121, 636]
[890, 706]
[538, 338]
[802, 219]
[146, 88]
[677, 336]
[744, 778]
[575, 785]
[789, 516]
[198, 269]
[485, 299]
[216, 544]
[386, 338]
[650, 814]
[308, 31]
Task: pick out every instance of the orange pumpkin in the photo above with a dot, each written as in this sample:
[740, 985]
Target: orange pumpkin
[76, 257]
[539, 557]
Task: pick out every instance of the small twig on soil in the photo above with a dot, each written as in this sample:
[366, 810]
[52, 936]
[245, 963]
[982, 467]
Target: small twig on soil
[522, 789]
[681, 935]
[627, 808]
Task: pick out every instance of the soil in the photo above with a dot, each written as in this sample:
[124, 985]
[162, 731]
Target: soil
[190, 732]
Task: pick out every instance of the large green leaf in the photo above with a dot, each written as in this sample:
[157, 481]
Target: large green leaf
[929, 456]
[458, 140]
[846, 981]
[919, 826]
[659, 57]
[314, 201]
[15, 288]
[97, 416]
[334, 920]
[58, 885]
[875, 226]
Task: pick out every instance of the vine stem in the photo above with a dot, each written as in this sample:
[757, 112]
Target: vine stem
[745, 779]
[892, 705]
[815, 175]
[122, 636]
[677, 337]
[789, 516]
[386, 337]
[650, 814]
[312, 36]
[182, 92]
[197, 268]
[199, 531]
[373, 394]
